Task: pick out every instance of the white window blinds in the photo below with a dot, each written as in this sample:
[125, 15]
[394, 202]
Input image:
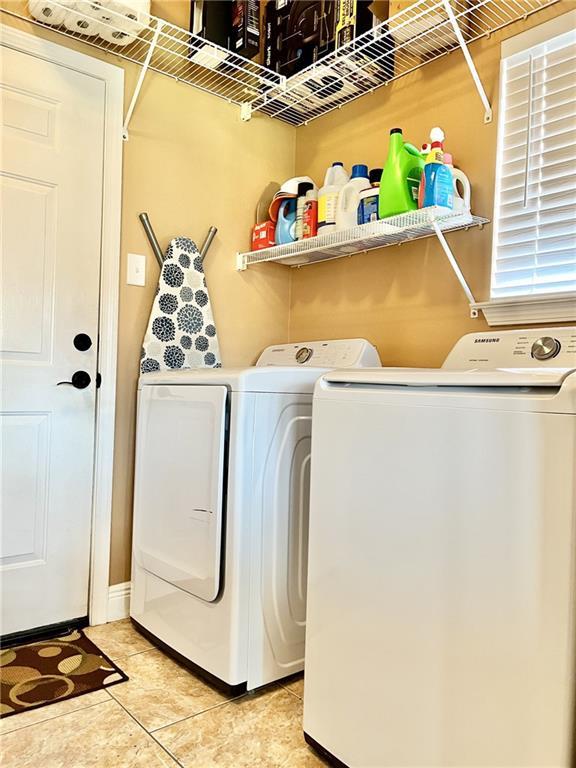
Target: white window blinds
[534, 249]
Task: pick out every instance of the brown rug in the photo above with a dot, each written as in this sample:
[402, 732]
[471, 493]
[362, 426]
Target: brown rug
[42, 673]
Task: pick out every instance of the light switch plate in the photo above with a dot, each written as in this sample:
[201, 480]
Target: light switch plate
[136, 269]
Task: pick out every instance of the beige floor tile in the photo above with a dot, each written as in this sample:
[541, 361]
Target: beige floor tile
[102, 736]
[296, 686]
[22, 719]
[262, 730]
[118, 639]
[160, 691]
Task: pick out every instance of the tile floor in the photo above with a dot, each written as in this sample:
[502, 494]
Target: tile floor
[163, 717]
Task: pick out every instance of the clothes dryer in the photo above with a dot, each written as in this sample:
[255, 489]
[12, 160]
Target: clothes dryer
[221, 510]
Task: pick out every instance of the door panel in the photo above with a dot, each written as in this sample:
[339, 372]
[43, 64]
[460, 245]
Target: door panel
[51, 188]
[27, 285]
[25, 440]
[181, 446]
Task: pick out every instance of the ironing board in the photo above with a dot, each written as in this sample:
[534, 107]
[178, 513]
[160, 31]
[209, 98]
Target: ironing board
[181, 332]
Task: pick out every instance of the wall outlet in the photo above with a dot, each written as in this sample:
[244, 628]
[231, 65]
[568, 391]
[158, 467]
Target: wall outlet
[136, 269]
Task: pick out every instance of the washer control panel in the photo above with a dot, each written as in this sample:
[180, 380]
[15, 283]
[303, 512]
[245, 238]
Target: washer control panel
[540, 347]
[336, 353]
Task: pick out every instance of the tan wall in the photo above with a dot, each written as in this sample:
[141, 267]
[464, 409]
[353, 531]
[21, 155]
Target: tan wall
[406, 299]
[190, 162]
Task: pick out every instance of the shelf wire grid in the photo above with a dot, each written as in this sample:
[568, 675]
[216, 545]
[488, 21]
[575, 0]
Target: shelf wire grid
[177, 52]
[420, 33]
[395, 230]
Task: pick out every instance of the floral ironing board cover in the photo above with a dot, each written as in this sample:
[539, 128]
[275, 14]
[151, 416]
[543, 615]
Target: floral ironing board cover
[181, 331]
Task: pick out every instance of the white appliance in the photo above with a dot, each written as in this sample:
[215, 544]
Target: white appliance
[441, 573]
[221, 510]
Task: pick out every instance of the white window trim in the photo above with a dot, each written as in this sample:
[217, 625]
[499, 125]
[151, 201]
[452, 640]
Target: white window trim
[113, 78]
[553, 308]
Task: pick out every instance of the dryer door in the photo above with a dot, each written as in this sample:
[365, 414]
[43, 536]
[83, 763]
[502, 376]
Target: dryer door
[178, 502]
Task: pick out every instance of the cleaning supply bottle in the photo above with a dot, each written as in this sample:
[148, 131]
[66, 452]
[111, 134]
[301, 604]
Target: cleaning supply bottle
[349, 198]
[336, 177]
[461, 202]
[303, 188]
[437, 185]
[368, 203]
[310, 218]
[286, 224]
[400, 177]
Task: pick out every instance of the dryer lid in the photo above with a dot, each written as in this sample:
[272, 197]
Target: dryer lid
[434, 377]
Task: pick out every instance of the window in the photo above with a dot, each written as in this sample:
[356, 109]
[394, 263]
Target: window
[534, 246]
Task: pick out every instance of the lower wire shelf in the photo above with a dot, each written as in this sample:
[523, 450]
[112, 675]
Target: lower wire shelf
[365, 237]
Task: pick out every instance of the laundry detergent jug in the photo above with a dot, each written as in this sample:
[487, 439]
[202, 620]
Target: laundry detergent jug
[349, 197]
[400, 177]
[286, 224]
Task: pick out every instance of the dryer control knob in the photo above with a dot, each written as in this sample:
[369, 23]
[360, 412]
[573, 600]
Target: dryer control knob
[545, 348]
[303, 355]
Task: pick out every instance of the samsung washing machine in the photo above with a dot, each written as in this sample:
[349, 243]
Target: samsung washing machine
[221, 510]
[441, 574]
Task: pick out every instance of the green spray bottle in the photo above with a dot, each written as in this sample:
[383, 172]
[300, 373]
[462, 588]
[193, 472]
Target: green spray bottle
[400, 177]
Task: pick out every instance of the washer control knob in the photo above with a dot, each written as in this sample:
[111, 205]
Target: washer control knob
[303, 355]
[545, 348]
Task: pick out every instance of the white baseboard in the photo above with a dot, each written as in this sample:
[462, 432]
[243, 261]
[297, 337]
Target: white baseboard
[119, 601]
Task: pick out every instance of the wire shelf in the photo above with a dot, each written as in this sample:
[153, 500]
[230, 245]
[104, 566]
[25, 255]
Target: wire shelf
[176, 52]
[420, 33]
[365, 237]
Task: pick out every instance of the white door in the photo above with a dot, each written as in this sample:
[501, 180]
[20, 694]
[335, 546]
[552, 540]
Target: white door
[179, 485]
[51, 193]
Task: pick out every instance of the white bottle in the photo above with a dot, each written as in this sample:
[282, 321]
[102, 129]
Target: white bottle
[336, 177]
[349, 198]
[461, 203]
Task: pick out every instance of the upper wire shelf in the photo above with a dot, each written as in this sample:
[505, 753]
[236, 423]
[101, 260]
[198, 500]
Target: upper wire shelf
[171, 50]
[420, 33]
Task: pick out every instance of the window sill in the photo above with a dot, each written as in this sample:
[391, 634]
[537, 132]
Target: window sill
[558, 308]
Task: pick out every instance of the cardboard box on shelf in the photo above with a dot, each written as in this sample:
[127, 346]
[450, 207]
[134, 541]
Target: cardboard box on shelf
[212, 20]
[353, 17]
[245, 28]
[297, 33]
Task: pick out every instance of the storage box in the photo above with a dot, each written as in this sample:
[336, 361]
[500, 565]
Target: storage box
[212, 20]
[297, 33]
[353, 17]
[245, 35]
[263, 235]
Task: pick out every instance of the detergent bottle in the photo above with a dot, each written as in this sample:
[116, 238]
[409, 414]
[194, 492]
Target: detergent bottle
[437, 184]
[461, 202]
[336, 177]
[286, 224]
[368, 204]
[349, 197]
[400, 177]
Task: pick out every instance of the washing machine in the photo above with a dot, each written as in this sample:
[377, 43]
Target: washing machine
[220, 531]
[441, 573]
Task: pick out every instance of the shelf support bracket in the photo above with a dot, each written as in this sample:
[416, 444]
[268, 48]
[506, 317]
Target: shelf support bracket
[457, 271]
[469, 61]
[245, 111]
[141, 77]
[240, 262]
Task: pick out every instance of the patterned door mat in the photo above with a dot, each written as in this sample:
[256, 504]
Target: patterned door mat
[42, 673]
